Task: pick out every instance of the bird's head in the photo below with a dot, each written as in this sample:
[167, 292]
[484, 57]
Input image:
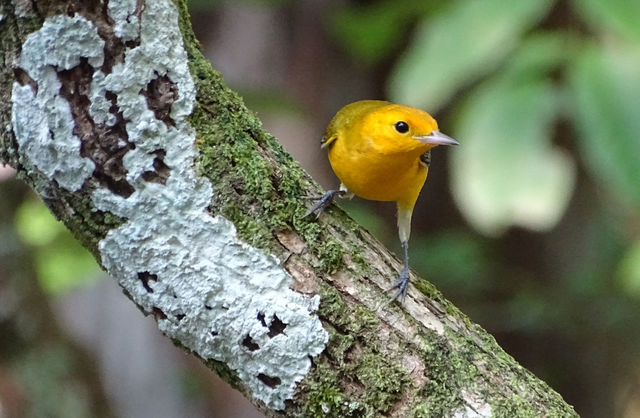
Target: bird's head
[396, 128]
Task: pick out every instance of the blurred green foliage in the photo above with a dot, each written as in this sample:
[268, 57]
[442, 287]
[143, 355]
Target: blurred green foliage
[514, 80]
[605, 83]
[508, 173]
[46, 376]
[612, 17]
[373, 32]
[628, 273]
[61, 262]
[457, 45]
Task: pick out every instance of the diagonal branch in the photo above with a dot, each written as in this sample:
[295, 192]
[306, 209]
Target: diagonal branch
[135, 143]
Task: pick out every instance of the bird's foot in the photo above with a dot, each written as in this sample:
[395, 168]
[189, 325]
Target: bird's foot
[401, 286]
[323, 201]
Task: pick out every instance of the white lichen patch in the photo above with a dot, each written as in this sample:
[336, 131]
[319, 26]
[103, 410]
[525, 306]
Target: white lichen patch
[123, 13]
[99, 105]
[219, 297]
[41, 118]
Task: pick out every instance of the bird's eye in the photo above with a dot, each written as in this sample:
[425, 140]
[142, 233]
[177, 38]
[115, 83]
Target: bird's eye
[402, 127]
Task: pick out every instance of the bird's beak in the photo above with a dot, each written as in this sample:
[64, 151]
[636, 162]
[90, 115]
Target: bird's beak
[436, 138]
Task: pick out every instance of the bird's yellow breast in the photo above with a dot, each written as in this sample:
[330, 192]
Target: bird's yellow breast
[375, 160]
[376, 176]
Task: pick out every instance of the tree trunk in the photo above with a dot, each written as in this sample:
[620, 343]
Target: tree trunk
[118, 122]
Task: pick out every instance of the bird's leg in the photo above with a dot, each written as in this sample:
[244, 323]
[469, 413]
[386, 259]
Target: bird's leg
[402, 284]
[404, 230]
[325, 200]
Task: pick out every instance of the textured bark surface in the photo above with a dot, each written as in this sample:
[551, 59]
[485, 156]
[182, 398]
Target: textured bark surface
[422, 358]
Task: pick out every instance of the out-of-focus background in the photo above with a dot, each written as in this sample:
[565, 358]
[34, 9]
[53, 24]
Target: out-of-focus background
[531, 226]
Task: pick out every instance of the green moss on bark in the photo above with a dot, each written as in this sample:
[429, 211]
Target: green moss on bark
[225, 373]
[324, 398]
[369, 383]
[88, 225]
[446, 375]
[430, 291]
[383, 381]
[257, 184]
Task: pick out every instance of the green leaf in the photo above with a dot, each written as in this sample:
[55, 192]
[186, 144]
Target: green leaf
[538, 55]
[35, 225]
[65, 266]
[60, 261]
[628, 274]
[620, 16]
[606, 100]
[371, 33]
[464, 42]
[506, 172]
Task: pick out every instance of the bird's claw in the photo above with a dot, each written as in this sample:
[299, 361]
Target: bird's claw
[323, 201]
[402, 286]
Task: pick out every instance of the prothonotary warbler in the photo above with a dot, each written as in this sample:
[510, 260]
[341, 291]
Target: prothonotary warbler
[381, 151]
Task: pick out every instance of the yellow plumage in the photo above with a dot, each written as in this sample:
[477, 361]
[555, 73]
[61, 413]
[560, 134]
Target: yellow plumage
[375, 149]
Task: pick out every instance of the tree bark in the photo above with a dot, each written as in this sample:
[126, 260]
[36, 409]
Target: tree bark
[111, 113]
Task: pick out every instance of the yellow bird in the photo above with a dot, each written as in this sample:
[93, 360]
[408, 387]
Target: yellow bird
[381, 151]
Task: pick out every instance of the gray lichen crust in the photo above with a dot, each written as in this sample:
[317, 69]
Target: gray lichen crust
[214, 294]
[41, 118]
